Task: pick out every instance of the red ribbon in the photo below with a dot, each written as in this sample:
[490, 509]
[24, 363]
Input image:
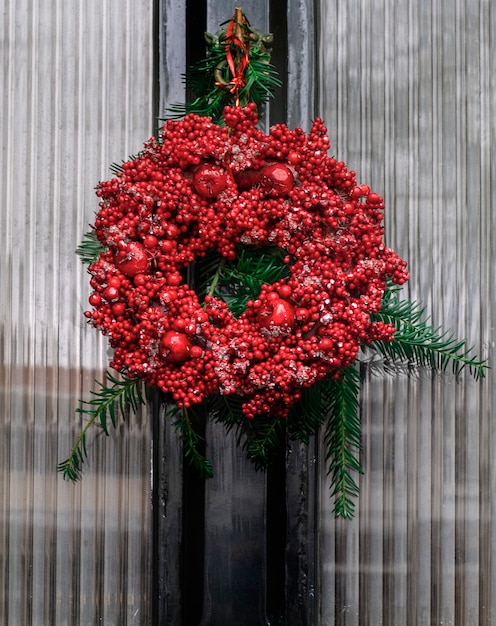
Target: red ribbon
[232, 39]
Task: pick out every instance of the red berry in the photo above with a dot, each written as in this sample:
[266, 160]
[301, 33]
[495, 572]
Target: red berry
[172, 231]
[293, 158]
[111, 293]
[150, 241]
[301, 314]
[95, 299]
[174, 279]
[196, 352]
[285, 291]
[167, 296]
[118, 308]
[139, 280]
[326, 344]
[114, 281]
[374, 198]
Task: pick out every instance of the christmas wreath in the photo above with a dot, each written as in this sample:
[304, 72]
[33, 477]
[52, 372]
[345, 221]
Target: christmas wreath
[246, 271]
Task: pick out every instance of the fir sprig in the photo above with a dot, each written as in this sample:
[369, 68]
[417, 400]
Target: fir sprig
[309, 413]
[192, 442]
[343, 440]
[90, 248]
[260, 437]
[227, 409]
[242, 280]
[417, 342]
[209, 79]
[264, 436]
[121, 394]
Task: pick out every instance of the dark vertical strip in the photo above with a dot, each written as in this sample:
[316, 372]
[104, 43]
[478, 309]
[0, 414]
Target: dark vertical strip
[178, 497]
[276, 520]
[196, 25]
[278, 26]
[159, 514]
[301, 583]
[276, 541]
[193, 548]
[301, 551]
[159, 489]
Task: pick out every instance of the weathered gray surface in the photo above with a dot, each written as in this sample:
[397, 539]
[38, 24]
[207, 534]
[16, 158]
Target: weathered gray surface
[76, 93]
[407, 92]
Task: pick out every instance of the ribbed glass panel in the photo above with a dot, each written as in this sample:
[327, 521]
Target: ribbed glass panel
[408, 92]
[76, 94]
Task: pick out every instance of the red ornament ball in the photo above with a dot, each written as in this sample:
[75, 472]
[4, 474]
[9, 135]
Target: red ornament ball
[132, 259]
[209, 180]
[175, 347]
[278, 317]
[277, 179]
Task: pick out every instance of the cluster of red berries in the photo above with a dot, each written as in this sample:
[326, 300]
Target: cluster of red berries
[200, 187]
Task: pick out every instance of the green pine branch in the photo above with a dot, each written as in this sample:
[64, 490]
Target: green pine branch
[242, 280]
[117, 168]
[192, 442]
[90, 248]
[309, 413]
[416, 342]
[343, 440]
[260, 437]
[264, 437]
[227, 410]
[208, 80]
[122, 394]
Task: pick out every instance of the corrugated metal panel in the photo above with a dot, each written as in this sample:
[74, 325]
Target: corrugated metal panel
[407, 91]
[76, 91]
[408, 94]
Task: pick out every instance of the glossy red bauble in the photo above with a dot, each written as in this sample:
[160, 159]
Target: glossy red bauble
[132, 259]
[175, 347]
[277, 179]
[279, 315]
[209, 180]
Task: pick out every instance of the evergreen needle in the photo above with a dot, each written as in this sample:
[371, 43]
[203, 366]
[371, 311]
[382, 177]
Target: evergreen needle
[90, 248]
[216, 277]
[343, 440]
[192, 441]
[120, 394]
[417, 342]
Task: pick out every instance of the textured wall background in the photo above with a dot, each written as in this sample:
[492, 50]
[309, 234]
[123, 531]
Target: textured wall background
[407, 90]
[76, 91]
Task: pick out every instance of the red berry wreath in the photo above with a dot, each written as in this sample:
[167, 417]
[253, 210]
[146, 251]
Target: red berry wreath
[200, 188]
